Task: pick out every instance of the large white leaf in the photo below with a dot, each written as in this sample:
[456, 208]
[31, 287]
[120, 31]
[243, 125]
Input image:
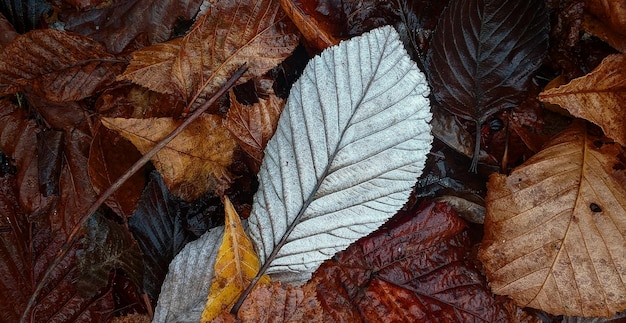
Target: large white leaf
[350, 144]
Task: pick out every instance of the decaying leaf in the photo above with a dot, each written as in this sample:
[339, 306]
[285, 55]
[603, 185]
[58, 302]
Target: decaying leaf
[58, 65]
[414, 270]
[229, 34]
[236, 265]
[137, 23]
[316, 33]
[192, 164]
[350, 144]
[253, 126]
[599, 97]
[106, 245]
[555, 229]
[483, 54]
[607, 20]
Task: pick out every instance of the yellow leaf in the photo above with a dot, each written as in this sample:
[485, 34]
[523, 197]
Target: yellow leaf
[236, 265]
[193, 163]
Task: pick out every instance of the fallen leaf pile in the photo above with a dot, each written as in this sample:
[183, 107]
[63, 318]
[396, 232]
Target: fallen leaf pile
[494, 130]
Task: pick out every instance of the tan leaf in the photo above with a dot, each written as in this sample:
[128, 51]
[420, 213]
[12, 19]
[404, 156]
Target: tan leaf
[607, 20]
[230, 33]
[58, 65]
[599, 97]
[555, 229]
[253, 126]
[194, 162]
[236, 265]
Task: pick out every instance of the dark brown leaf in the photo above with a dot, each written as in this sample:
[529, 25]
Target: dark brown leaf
[49, 155]
[7, 32]
[483, 54]
[57, 65]
[136, 23]
[109, 157]
[24, 15]
[414, 270]
[106, 246]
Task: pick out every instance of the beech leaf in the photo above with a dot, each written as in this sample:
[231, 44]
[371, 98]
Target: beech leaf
[555, 229]
[58, 65]
[229, 34]
[236, 265]
[194, 162]
[350, 144]
[253, 126]
[483, 54]
[598, 97]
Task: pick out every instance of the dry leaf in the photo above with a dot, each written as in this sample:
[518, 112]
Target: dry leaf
[599, 97]
[236, 265]
[253, 126]
[229, 34]
[607, 20]
[316, 34]
[555, 229]
[194, 162]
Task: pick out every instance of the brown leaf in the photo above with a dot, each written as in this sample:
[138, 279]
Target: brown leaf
[598, 97]
[228, 35]
[413, 270]
[59, 66]
[612, 14]
[137, 23]
[554, 229]
[317, 33]
[7, 32]
[276, 302]
[253, 126]
[193, 163]
[109, 158]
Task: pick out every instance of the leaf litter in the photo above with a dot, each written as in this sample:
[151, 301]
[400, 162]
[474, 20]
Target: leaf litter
[31, 119]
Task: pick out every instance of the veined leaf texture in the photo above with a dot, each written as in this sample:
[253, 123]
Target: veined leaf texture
[350, 144]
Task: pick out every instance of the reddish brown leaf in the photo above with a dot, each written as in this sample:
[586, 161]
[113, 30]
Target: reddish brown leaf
[59, 66]
[109, 157]
[228, 35]
[137, 23]
[134, 101]
[414, 270]
[7, 32]
[253, 126]
[317, 32]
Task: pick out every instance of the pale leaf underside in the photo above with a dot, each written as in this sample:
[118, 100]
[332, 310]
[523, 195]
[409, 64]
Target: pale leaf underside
[555, 230]
[350, 144]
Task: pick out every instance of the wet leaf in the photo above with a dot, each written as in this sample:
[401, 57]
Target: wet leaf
[192, 164]
[162, 224]
[253, 126]
[317, 32]
[228, 35]
[349, 146]
[59, 66]
[554, 229]
[598, 97]
[483, 54]
[106, 246]
[137, 23]
[25, 15]
[236, 265]
[109, 157]
[415, 269]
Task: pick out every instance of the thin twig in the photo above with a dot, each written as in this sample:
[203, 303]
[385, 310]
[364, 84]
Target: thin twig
[72, 237]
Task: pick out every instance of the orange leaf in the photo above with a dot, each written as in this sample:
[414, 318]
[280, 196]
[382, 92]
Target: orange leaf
[236, 265]
[253, 126]
[313, 31]
[555, 228]
[59, 66]
[229, 34]
[194, 162]
[607, 20]
[599, 97]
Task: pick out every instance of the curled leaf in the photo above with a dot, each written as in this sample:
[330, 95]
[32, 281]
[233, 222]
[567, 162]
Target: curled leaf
[555, 228]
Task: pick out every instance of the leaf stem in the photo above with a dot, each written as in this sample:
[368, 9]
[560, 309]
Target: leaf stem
[474, 165]
[72, 237]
